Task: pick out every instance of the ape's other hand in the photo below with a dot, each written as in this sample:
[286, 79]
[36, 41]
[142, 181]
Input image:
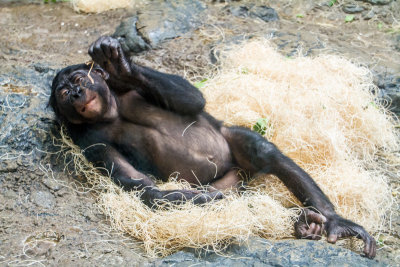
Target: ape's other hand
[107, 52]
[309, 225]
[337, 227]
[153, 196]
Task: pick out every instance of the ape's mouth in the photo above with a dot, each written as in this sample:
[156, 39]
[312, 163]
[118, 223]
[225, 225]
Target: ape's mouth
[88, 103]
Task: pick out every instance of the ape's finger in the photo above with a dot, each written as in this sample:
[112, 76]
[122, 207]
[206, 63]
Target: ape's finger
[309, 231]
[120, 52]
[300, 230]
[332, 238]
[114, 44]
[321, 232]
[114, 50]
[317, 232]
[95, 57]
[315, 217]
[367, 248]
[370, 247]
[105, 46]
[373, 249]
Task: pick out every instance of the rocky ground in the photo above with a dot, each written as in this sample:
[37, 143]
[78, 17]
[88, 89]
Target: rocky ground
[46, 218]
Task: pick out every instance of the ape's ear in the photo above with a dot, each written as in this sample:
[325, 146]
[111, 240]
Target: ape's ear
[104, 74]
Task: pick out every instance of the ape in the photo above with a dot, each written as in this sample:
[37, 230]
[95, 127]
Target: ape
[137, 122]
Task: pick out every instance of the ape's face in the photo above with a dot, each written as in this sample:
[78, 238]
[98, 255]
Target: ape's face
[81, 99]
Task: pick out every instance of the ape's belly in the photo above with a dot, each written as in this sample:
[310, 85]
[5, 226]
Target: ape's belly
[192, 150]
[197, 153]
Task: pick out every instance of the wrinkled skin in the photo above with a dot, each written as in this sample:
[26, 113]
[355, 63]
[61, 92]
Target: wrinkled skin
[312, 225]
[138, 123]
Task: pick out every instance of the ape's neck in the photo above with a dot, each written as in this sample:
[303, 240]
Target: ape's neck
[112, 111]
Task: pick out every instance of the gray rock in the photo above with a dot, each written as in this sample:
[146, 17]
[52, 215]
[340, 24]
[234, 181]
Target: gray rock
[377, 2]
[51, 184]
[367, 15]
[43, 199]
[390, 91]
[159, 23]
[238, 11]
[262, 12]
[397, 42]
[262, 252]
[128, 36]
[24, 117]
[352, 9]
[265, 13]
[9, 194]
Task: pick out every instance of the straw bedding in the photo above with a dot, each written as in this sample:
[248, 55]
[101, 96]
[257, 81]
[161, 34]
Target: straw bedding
[320, 112]
[98, 6]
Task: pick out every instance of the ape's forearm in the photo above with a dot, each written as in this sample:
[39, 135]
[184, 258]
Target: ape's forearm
[302, 185]
[168, 91]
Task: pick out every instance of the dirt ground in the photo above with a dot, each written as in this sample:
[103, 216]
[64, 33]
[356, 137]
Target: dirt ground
[47, 222]
[46, 218]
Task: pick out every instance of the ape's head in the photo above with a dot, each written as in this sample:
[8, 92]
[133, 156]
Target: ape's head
[76, 98]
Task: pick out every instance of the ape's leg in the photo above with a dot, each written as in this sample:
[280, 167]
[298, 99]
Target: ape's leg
[256, 155]
[230, 181]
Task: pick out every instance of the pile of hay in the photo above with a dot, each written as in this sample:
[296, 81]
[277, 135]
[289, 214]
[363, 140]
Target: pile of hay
[98, 6]
[320, 112]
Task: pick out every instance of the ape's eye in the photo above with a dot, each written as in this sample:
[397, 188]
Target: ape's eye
[78, 79]
[64, 92]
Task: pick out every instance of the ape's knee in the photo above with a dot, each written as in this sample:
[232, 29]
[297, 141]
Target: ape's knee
[251, 151]
[266, 156]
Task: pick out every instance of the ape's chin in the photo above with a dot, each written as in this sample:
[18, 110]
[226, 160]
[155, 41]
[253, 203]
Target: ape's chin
[92, 109]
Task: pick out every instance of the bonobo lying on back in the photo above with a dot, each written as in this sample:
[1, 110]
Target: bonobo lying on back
[137, 122]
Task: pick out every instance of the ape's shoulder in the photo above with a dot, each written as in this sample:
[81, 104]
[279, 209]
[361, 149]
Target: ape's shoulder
[85, 135]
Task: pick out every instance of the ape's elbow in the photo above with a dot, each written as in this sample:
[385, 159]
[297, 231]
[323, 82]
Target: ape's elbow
[193, 105]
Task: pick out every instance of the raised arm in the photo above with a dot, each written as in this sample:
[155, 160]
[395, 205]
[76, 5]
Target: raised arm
[168, 91]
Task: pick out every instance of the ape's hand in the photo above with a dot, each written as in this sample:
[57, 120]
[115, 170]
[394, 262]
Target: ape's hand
[338, 227]
[311, 225]
[154, 196]
[107, 52]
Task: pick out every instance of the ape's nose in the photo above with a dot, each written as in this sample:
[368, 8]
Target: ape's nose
[77, 92]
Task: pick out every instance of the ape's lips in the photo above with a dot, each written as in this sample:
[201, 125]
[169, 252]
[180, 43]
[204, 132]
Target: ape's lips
[87, 104]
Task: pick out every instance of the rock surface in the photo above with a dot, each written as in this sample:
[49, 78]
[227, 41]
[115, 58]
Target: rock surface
[264, 13]
[397, 42]
[167, 20]
[261, 252]
[390, 91]
[25, 117]
[43, 199]
[352, 9]
[377, 2]
[129, 37]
